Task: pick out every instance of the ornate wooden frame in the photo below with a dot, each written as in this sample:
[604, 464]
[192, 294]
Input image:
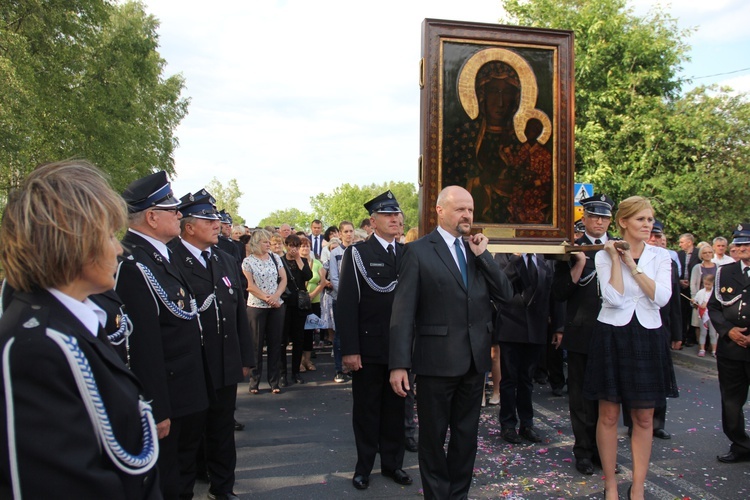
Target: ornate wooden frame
[541, 86]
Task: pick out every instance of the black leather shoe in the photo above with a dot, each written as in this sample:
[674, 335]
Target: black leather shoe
[298, 380]
[411, 444]
[398, 476]
[530, 434]
[662, 434]
[510, 435]
[733, 458]
[238, 426]
[361, 482]
[585, 466]
[557, 391]
[283, 382]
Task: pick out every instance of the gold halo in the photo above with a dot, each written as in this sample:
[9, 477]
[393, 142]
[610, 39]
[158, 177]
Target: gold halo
[467, 92]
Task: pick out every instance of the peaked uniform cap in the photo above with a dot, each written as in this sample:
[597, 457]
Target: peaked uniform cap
[225, 217]
[200, 205]
[384, 203]
[599, 204]
[741, 234]
[152, 191]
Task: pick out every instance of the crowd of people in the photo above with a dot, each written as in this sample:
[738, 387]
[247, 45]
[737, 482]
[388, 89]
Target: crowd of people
[122, 359]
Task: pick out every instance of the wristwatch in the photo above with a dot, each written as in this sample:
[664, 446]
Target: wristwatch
[635, 271]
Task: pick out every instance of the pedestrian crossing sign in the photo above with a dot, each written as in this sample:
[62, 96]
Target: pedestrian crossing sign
[581, 192]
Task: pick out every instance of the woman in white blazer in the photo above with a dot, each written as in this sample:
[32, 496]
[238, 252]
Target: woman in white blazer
[631, 363]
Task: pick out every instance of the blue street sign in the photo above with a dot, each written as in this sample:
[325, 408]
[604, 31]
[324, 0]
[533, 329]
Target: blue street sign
[581, 191]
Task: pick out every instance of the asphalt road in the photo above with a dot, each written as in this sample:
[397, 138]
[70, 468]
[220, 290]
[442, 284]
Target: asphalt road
[299, 445]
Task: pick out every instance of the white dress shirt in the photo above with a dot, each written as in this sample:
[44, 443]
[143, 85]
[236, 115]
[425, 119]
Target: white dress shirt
[618, 308]
[91, 315]
[450, 240]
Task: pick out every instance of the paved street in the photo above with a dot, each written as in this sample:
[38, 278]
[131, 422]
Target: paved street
[299, 445]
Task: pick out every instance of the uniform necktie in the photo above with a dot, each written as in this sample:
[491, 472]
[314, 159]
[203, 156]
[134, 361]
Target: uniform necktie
[533, 274]
[207, 257]
[316, 248]
[392, 254]
[461, 260]
[597, 241]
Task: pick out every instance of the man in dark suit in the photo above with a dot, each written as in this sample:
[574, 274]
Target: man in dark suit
[316, 237]
[729, 310]
[441, 329]
[524, 321]
[575, 283]
[369, 274]
[212, 275]
[166, 350]
[689, 258]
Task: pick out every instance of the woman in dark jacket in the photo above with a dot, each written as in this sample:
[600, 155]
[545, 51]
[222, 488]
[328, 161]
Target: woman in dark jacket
[75, 424]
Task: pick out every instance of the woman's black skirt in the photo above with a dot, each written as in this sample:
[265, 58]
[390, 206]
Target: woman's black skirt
[630, 364]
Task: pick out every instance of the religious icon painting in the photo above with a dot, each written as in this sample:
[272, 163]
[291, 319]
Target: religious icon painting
[497, 119]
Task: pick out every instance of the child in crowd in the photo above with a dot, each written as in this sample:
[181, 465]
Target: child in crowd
[700, 301]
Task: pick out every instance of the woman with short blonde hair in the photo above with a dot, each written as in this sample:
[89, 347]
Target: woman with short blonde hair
[75, 420]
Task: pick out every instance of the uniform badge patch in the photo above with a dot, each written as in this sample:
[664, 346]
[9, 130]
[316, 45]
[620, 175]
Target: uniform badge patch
[32, 323]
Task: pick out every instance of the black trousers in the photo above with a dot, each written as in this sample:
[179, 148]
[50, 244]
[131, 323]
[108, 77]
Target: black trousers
[294, 331]
[177, 452]
[221, 455]
[455, 403]
[686, 309]
[734, 381]
[266, 325]
[377, 419]
[517, 366]
[584, 413]
[550, 365]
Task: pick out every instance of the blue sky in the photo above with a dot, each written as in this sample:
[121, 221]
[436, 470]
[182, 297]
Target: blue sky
[296, 97]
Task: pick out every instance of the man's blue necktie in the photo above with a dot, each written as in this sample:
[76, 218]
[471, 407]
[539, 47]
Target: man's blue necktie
[461, 261]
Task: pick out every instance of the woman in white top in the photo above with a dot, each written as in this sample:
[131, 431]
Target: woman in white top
[266, 281]
[632, 363]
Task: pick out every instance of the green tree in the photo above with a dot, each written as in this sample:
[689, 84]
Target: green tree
[634, 133]
[296, 218]
[346, 202]
[227, 198]
[83, 78]
[700, 168]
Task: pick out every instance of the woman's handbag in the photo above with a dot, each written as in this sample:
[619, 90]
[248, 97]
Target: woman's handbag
[304, 303]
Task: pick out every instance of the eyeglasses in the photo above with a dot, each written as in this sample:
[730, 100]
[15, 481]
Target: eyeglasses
[173, 210]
